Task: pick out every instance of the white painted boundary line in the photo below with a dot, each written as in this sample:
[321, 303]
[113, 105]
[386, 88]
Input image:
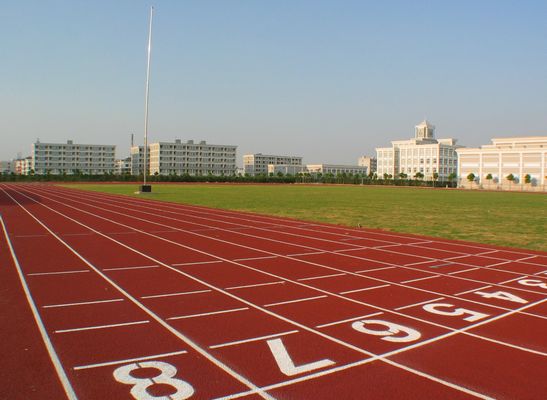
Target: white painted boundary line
[128, 360]
[463, 270]
[421, 279]
[255, 339]
[295, 301]
[254, 285]
[83, 303]
[196, 263]
[321, 277]
[168, 327]
[418, 304]
[512, 280]
[254, 258]
[349, 320]
[71, 395]
[58, 272]
[304, 327]
[130, 268]
[374, 269]
[208, 313]
[473, 290]
[91, 328]
[155, 296]
[364, 289]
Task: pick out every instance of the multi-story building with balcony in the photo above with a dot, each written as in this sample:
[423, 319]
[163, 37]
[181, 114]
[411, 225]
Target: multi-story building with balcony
[178, 158]
[369, 162]
[71, 158]
[336, 169]
[256, 164]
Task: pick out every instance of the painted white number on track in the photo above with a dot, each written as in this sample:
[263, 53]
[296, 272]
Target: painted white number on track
[286, 364]
[533, 282]
[473, 315]
[389, 333]
[167, 377]
[502, 296]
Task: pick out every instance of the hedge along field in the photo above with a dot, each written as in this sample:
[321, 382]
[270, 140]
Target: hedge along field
[499, 218]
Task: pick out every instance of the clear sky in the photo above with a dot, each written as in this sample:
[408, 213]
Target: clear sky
[326, 80]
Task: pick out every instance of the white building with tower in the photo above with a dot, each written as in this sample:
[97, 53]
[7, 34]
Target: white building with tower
[516, 157]
[423, 154]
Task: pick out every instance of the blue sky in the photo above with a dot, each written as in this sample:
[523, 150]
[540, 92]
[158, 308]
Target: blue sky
[326, 80]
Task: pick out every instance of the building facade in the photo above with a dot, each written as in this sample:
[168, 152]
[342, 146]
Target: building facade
[255, 164]
[336, 169]
[285, 169]
[123, 166]
[423, 154]
[369, 162]
[514, 157]
[70, 158]
[7, 167]
[177, 158]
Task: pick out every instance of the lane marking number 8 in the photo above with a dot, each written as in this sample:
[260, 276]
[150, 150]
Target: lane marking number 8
[167, 377]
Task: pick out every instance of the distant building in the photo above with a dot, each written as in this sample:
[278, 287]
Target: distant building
[369, 162]
[516, 156]
[22, 166]
[70, 158]
[423, 154]
[123, 166]
[336, 169]
[7, 167]
[255, 164]
[285, 169]
[177, 158]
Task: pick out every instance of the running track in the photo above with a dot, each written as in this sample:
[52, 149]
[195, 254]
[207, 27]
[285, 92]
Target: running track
[105, 297]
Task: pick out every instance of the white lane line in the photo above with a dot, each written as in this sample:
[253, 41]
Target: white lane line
[295, 301]
[511, 280]
[58, 272]
[255, 339]
[463, 270]
[209, 313]
[69, 391]
[196, 263]
[76, 234]
[155, 296]
[90, 328]
[129, 268]
[83, 303]
[421, 279]
[363, 289]
[541, 273]
[417, 304]
[254, 285]
[310, 253]
[254, 258]
[349, 320]
[31, 236]
[321, 277]
[154, 316]
[375, 269]
[128, 360]
[473, 290]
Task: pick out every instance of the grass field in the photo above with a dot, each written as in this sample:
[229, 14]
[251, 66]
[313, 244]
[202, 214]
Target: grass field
[500, 218]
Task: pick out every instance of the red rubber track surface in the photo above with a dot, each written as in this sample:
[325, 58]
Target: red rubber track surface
[107, 297]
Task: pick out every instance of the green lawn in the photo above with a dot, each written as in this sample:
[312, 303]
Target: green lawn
[500, 218]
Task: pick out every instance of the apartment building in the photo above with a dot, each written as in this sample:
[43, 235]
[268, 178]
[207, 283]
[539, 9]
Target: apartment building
[255, 164]
[336, 169]
[369, 162]
[514, 157]
[7, 167]
[70, 157]
[23, 166]
[423, 154]
[285, 169]
[123, 166]
[178, 158]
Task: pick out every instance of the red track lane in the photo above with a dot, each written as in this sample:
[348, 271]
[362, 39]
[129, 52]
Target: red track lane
[223, 303]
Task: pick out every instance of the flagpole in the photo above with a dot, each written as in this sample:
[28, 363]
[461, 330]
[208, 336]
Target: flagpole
[145, 187]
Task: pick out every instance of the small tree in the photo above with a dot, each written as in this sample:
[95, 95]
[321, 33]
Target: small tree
[418, 175]
[435, 177]
[402, 175]
[489, 178]
[471, 177]
[527, 179]
[511, 179]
